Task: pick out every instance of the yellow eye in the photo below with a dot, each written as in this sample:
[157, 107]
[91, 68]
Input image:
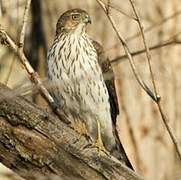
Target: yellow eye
[75, 16]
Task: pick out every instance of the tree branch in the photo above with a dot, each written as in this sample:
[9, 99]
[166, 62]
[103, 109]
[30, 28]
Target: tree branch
[35, 143]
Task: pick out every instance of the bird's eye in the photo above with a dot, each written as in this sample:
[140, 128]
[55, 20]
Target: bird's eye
[75, 16]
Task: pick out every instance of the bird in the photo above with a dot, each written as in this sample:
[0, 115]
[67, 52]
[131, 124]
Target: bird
[75, 72]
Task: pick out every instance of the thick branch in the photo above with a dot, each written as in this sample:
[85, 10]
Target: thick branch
[34, 143]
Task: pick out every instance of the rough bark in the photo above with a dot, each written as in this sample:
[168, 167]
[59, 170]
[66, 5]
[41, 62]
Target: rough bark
[34, 143]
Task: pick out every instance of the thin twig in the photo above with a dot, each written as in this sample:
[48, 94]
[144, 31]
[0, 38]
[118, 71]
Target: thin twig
[120, 11]
[157, 97]
[24, 24]
[169, 129]
[138, 52]
[20, 46]
[150, 28]
[127, 51]
[148, 55]
[155, 25]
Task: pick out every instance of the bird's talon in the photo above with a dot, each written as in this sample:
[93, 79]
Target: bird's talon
[99, 146]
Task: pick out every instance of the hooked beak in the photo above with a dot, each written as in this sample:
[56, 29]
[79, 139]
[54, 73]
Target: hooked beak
[87, 20]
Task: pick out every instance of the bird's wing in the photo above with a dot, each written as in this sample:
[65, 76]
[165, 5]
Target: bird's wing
[109, 80]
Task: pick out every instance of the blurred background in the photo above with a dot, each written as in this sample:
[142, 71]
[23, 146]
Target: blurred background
[142, 132]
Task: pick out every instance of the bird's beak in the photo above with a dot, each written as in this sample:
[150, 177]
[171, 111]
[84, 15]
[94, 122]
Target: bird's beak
[87, 20]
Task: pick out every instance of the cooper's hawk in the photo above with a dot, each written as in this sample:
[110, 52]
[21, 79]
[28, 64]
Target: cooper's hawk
[77, 78]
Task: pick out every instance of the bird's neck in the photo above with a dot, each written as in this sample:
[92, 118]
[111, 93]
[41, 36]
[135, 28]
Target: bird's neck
[80, 30]
[72, 36]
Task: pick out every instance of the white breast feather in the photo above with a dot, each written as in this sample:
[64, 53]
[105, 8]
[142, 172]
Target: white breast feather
[81, 83]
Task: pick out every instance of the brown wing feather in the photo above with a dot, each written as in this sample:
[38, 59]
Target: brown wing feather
[109, 80]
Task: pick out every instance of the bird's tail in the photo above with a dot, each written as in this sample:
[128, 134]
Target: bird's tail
[120, 153]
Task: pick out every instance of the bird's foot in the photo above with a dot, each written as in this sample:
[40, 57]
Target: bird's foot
[98, 144]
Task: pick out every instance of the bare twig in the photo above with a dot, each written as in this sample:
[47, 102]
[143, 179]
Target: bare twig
[24, 24]
[150, 28]
[127, 51]
[122, 12]
[157, 97]
[138, 52]
[146, 47]
[155, 25]
[169, 129]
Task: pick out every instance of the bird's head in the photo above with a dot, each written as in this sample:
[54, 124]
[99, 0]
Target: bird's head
[74, 20]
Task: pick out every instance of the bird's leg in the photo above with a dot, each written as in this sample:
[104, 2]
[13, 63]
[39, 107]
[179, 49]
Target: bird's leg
[98, 142]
